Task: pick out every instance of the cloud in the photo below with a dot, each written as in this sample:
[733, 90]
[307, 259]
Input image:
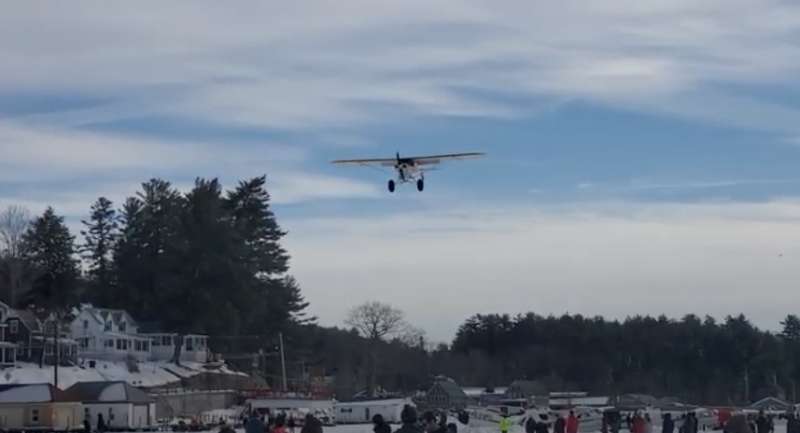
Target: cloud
[612, 258]
[319, 65]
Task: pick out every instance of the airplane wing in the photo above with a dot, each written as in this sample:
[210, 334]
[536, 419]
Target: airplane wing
[388, 162]
[436, 159]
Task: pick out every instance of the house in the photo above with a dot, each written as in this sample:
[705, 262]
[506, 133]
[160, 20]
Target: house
[8, 350]
[109, 334]
[122, 406]
[526, 389]
[771, 404]
[361, 412]
[31, 336]
[445, 394]
[38, 407]
[195, 347]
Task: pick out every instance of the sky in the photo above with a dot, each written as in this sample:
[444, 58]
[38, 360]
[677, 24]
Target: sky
[642, 156]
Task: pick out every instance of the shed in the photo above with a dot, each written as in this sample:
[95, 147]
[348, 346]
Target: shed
[771, 404]
[38, 407]
[446, 394]
[123, 407]
[359, 412]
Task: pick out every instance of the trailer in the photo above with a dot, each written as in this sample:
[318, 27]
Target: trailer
[360, 412]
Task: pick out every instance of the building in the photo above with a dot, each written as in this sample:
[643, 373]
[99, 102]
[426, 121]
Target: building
[122, 406]
[108, 334]
[360, 412]
[771, 404]
[8, 350]
[445, 394]
[195, 347]
[38, 407]
[31, 336]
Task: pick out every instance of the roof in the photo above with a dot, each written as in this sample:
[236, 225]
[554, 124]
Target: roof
[107, 392]
[102, 315]
[372, 403]
[28, 319]
[773, 403]
[32, 393]
[450, 388]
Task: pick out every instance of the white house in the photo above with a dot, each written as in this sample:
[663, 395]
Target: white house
[195, 347]
[122, 406]
[104, 333]
[360, 412]
[38, 407]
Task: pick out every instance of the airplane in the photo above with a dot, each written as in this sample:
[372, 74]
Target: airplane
[410, 168]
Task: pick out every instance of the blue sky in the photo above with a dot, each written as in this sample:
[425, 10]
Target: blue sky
[642, 155]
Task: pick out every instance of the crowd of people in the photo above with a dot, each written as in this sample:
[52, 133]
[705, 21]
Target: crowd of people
[280, 423]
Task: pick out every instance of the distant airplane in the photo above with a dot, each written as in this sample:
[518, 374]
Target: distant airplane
[410, 168]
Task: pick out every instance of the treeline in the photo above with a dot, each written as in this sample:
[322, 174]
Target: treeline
[205, 261]
[699, 360]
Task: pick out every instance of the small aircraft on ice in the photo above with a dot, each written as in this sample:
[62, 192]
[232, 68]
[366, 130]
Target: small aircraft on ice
[409, 168]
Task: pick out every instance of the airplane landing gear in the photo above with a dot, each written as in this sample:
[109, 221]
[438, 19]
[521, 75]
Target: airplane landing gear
[420, 185]
[391, 185]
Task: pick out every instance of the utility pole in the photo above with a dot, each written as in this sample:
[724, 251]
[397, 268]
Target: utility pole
[57, 354]
[283, 363]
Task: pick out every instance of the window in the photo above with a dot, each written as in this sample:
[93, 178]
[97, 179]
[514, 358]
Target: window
[87, 415]
[123, 326]
[110, 414]
[34, 416]
[85, 324]
[156, 341]
[109, 343]
[119, 344]
[13, 327]
[190, 344]
[107, 327]
[166, 340]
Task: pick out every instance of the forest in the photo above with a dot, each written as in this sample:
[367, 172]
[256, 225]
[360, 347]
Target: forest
[211, 261]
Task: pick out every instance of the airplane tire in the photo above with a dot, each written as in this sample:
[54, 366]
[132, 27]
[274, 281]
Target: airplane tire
[420, 185]
[391, 186]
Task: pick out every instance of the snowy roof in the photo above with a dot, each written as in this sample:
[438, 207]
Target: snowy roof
[28, 319]
[103, 315]
[383, 402]
[107, 392]
[33, 393]
[150, 374]
[772, 403]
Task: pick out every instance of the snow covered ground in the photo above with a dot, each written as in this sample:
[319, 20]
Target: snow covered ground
[150, 374]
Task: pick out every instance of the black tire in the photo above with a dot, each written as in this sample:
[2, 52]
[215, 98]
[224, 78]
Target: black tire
[420, 185]
[391, 186]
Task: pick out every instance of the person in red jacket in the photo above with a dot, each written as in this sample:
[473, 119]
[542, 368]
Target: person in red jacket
[638, 424]
[572, 423]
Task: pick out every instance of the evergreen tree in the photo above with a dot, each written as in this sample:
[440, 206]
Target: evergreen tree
[277, 294]
[49, 247]
[100, 237]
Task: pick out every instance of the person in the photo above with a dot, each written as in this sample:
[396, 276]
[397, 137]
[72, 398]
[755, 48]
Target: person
[648, 423]
[505, 423]
[668, 425]
[408, 416]
[637, 425]
[87, 426]
[311, 425]
[762, 423]
[430, 423]
[530, 425]
[541, 427]
[738, 423]
[452, 428]
[254, 424]
[792, 423]
[101, 423]
[572, 423]
[291, 424]
[380, 425]
[560, 425]
[226, 428]
[280, 425]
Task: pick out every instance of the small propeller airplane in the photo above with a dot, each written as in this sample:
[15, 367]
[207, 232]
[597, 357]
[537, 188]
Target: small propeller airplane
[410, 168]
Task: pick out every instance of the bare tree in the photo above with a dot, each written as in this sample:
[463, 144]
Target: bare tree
[14, 222]
[375, 321]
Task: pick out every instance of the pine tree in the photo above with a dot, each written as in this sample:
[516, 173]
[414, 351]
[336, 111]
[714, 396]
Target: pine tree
[100, 236]
[49, 247]
[268, 262]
